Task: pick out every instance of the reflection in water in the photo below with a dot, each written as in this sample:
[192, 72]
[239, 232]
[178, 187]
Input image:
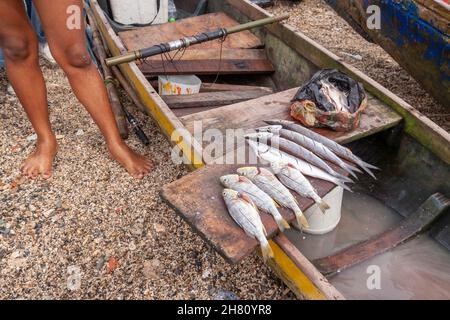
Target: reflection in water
[417, 269]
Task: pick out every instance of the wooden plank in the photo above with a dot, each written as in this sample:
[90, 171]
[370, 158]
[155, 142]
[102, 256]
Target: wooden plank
[411, 226]
[206, 212]
[215, 87]
[329, 291]
[210, 99]
[251, 114]
[214, 54]
[152, 35]
[187, 111]
[204, 67]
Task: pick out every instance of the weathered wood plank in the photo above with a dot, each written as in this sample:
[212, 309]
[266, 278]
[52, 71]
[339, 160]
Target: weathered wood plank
[251, 114]
[215, 87]
[415, 223]
[152, 35]
[206, 212]
[214, 54]
[210, 99]
[203, 67]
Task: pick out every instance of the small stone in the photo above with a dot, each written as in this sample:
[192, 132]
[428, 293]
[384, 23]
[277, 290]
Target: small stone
[159, 228]
[151, 269]
[100, 263]
[32, 208]
[206, 273]
[31, 138]
[59, 136]
[113, 264]
[48, 213]
[79, 132]
[225, 295]
[58, 204]
[132, 246]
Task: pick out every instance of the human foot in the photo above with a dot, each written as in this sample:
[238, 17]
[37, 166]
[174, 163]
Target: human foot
[40, 162]
[137, 166]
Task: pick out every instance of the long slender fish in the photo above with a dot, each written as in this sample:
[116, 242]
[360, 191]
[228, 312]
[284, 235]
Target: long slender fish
[244, 212]
[310, 144]
[270, 155]
[261, 199]
[295, 150]
[292, 178]
[339, 150]
[267, 182]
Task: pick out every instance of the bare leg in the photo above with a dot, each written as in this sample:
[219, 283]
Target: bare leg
[20, 47]
[69, 49]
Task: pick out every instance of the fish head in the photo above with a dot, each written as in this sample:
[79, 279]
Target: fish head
[264, 135]
[229, 194]
[275, 129]
[248, 172]
[229, 180]
[277, 166]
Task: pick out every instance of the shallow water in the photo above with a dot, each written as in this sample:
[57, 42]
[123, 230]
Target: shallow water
[417, 269]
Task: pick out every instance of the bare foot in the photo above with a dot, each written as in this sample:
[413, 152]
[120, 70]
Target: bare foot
[40, 162]
[137, 166]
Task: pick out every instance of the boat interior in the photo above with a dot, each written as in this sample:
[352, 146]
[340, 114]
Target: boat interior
[412, 181]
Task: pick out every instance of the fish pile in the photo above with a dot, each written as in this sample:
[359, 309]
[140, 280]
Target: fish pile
[253, 188]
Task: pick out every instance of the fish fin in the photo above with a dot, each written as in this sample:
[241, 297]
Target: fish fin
[282, 223]
[266, 251]
[246, 198]
[301, 219]
[342, 185]
[323, 206]
[369, 172]
[276, 203]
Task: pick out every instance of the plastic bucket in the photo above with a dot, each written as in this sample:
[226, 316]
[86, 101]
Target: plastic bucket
[320, 223]
[176, 85]
[139, 11]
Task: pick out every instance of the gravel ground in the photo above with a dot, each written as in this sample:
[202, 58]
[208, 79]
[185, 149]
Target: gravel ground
[318, 21]
[92, 219]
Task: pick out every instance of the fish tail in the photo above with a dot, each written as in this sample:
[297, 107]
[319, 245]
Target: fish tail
[351, 168]
[266, 250]
[271, 122]
[282, 223]
[344, 178]
[342, 185]
[301, 219]
[366, 169]
[368, 165]
[323, 206]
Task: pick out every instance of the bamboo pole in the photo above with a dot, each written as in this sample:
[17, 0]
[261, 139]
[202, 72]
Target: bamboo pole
[116, 106]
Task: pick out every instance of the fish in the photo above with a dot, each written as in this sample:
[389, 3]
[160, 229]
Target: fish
[339, 150]
[271, 154]
[292, 178]
[244, 213]
[266, 181]
[295, 150]
[312, 145]
[261, 199]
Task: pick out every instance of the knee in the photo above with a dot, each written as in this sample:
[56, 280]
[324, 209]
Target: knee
[17, 48]
[78, 57]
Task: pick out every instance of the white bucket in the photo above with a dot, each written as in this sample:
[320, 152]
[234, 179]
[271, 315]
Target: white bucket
[176, 85]
[320, 223]
[139, 11]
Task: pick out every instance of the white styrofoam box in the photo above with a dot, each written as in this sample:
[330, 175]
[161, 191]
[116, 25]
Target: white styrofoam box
[139, 11]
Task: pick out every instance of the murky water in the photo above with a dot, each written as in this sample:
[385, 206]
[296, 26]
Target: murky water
[417, 269]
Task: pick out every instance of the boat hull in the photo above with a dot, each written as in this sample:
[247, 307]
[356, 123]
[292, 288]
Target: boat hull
[414, 33]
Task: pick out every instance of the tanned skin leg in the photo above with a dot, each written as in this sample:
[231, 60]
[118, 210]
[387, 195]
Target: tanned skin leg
[20, 48]
[69, 49]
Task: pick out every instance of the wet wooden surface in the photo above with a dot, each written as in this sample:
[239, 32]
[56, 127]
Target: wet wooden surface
[197, 198]
[155, 34]
[252, 113]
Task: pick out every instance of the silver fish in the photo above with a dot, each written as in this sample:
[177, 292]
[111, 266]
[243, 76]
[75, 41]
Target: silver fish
[244, 213]
[339, 150]
[295, 150]
[312, 145]
[267, 182]
[292, 178]
[261, 199]
[270, 155]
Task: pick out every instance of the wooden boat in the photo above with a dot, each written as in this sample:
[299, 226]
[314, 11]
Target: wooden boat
[415, 33]
[380, 220]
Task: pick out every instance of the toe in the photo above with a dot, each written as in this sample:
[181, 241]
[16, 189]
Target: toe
[46, 175]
